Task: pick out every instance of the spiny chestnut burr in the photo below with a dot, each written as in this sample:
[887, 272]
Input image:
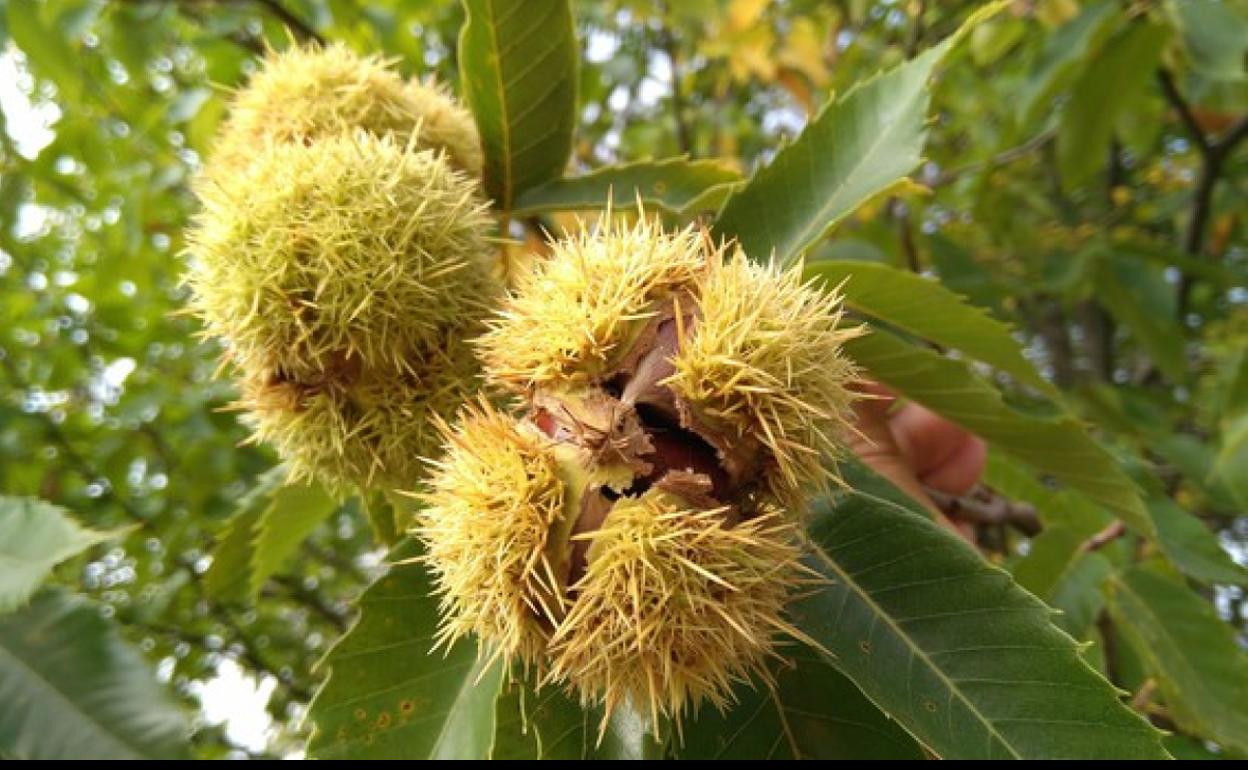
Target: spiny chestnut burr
[305, 94]
[633, 534]
[344, 277]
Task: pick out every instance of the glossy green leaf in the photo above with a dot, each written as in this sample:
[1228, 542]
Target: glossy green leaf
[388, 695]
[814, 712]
[860, 145]
[34, 537]
[1192, 546]
[548, 724]
[949, 645]
[518, 70]
[1103, 89]
[673, 185]
[1200, 668]
[927, 309]
[72, 688]
[1059, 447]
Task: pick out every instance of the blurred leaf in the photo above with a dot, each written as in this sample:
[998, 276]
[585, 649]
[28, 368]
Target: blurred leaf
[548, 724]
[1059, 447]
[229, 576]
[72, 688]
[993, 40]
[1215, 35]
[1187, 542]
[1201, 670]
[47, 51]
[34, 537]
[1066, 577]
[859, 146]
[925, 308]
[673, 185]
[1137, 295]
[1064, 53]
[813, 712]
[1231, 468]
[1105, 86]
[388, 695]
[295, 510]
[517, 65]
[948, 645]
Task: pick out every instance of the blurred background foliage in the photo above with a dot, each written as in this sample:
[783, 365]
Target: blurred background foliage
[1086, 182]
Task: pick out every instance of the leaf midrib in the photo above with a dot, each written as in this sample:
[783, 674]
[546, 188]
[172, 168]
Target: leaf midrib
[917, 651]
[504, 113]
[37, 675]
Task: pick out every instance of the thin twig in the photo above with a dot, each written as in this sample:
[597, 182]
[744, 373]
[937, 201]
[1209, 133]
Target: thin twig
[1002, 158]
[1104, 537]
[984, 506]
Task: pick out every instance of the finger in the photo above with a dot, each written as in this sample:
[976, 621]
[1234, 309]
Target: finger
[961, 471]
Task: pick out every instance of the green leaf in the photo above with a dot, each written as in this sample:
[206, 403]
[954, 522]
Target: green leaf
[1201, 670]
[1059, 447]
[859, 146]
[1106, 86]
[295, 510]
[673, 185]
[1060, 60]
[925, 308]
[46, 49]
[228, 577]
[547, 724]
[271, 522]
[1066, 577]
[34, 537]
[1137, 295]
[814, 712]
[518, 68]
[1215, 35]
[1192, 546]
[1231, 468]
[388, 695]
[72, 688]
[948, 645]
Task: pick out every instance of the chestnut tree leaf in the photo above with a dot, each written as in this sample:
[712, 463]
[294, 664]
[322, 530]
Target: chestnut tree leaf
[813, 712]
[673, 185]
[388, 694]
[72, 687]
[546, 723]
[925, 308]
[1200, 668]
[34, 537]
[859, 146]
[1058, 446]
[947, 644]
[518, 70]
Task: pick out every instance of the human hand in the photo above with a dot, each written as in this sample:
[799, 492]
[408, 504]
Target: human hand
[915, 448]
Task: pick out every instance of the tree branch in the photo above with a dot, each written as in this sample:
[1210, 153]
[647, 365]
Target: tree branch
[1213, 155]
[1170, 90]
